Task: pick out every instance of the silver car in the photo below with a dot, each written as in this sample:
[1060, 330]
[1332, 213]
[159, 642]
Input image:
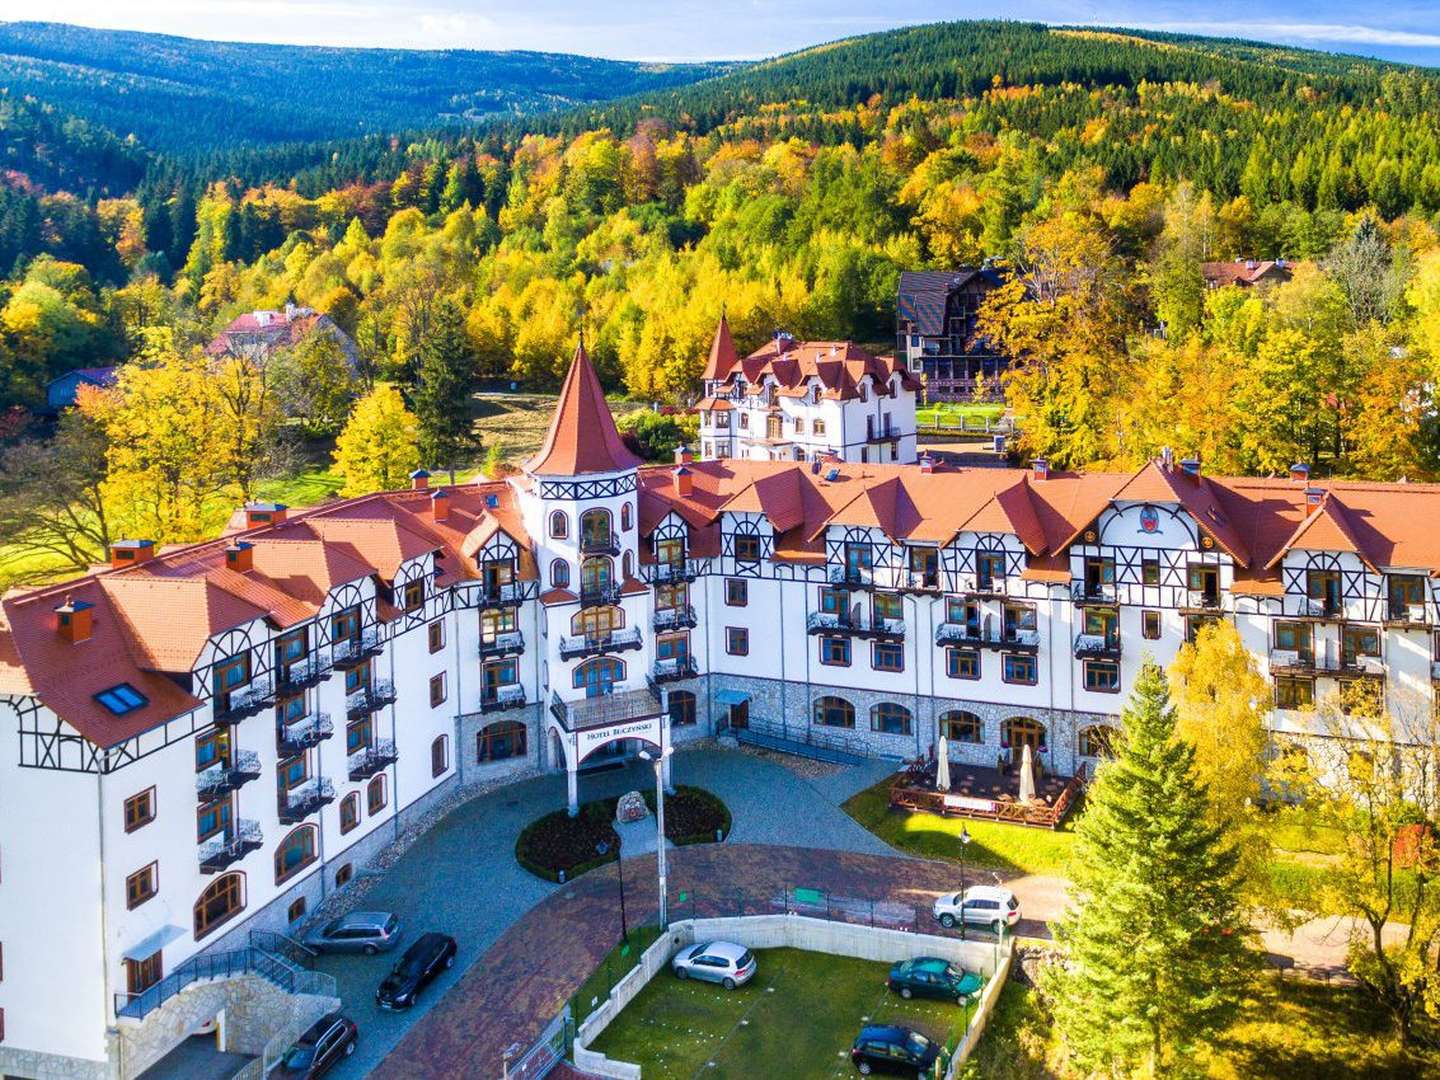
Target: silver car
[368, 932]
[722, 962]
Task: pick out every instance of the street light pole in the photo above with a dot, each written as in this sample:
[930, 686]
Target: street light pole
[659, 762]
[964, 843]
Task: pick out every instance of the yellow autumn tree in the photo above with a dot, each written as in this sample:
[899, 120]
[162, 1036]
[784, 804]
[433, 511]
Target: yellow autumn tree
[376, 450]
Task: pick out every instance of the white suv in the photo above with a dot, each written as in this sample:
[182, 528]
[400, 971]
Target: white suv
[983, 905]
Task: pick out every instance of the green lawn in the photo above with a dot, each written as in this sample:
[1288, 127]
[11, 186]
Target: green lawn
[797, 1018]
[303, 489]
[993, 844]
[616, 965]
[958, 410]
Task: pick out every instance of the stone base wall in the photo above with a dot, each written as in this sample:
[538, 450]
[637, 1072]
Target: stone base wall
[37, 1065]
[473, 773]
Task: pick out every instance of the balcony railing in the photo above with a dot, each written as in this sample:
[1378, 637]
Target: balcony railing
[674, 618]
[1408, 614]
[1291, 662]
[372, 759]
[1097, 647]
[218, 779]
[509, 594]
[512, 641]
[1321, 609]
[599, 595]
[1093, 592]
[608, 544]
[304, 733]
[502, 697]
[354, 651]
[884, 434]
[1202, 600]
[675, 570]
[674, 667]
[862, 625]
[375, 695]
[572, 648]
[300, 802]
[950, 633]
[620, 707]
[244, 701]
[920, 580]
[237, 841]
[844, 574]
[304, 673]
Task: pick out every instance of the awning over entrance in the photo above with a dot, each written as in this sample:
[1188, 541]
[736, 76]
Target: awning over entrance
[149, 946]
[731, 697]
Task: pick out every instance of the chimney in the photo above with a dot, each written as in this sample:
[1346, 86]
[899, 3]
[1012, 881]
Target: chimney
[75, 620]
[927, 464]
[440, 504]
[1167, 459]
[1314, 496]
[264, 513]
[684, 455]
[1191, 467]
[130, 552]
[684, 484]
[1300, 473]
[240, 557]
[1040, 469]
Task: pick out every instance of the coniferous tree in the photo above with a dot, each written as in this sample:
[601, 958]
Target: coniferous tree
[442, 392]
[1156, 952]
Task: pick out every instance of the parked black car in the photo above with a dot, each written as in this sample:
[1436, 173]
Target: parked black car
[895, 1050]
[326, 1042]
[431, 954]
[932, 977]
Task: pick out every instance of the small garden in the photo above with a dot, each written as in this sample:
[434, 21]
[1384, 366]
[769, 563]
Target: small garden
[558, 847]
[797, 1018]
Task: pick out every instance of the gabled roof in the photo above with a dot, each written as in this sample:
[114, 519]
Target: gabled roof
[582, 437]
[839, 367]
[1329, 527]
[923, 294]
[1157, 482]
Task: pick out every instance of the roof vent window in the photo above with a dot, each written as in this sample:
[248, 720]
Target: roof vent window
[122, 699]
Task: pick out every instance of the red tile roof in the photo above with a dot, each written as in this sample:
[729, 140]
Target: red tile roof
[839, 366]
[722, 352]
[582, 437]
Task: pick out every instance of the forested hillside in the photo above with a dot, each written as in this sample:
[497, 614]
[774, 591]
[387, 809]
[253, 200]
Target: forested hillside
[185, 94]
[1101, 170]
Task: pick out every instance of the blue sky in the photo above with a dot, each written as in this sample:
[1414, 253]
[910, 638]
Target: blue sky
[1406, 30]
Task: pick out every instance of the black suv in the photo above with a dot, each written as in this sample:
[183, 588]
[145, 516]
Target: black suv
[327, 1041]
[894, 1050]
[430, 955]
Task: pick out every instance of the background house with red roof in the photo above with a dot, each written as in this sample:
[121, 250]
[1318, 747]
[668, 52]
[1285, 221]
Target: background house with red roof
[256, 335]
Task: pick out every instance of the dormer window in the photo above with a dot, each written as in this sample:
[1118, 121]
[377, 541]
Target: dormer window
[122, 699]
[747, 548]
[414, 595]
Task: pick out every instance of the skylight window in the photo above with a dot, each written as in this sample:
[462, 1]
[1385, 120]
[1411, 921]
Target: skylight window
[122, 699]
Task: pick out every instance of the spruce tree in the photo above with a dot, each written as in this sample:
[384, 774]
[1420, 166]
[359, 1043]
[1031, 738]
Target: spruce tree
[442, 394]
[1155, 942]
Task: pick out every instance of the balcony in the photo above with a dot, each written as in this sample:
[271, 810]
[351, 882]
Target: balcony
[500, 698]
[1092, 592]
[599, 595]
[673, 669]
[1097, 647]
[244, 701]
[497, 595]
[225, 777]
[304, 733]
[606, 544]
[512, 641]
[675, 618]
[573, 648]
[889, 433]
[920, 581]
[1311, 608]
[621, 707]
[352, 652]
[300, 802]
[366, 763]
[304, 673]
[225, 850]
[1408, 616]
[967, 635]
[675, 570]
[1202, 600]
[858, 576]
[377, 694]
[861, 625]
[1290, 662]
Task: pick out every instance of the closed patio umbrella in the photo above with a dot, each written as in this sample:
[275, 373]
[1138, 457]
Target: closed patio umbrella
[1027, 776]
[942, 768]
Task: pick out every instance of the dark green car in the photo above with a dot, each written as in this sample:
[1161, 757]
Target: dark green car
[929, 976]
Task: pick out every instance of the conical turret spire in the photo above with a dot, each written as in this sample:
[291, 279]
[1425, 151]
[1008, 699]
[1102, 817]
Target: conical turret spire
[582, 436]
[722, 351]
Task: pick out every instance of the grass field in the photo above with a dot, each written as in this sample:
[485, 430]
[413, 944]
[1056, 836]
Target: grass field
[1289, 1029]
[953, 412]
[519, 421]
[797, 1018]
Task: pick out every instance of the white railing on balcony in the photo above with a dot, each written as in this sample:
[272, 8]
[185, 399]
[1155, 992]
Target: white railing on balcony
[1090, 643]
[835, 620]
[672, 665]
[242, 761]
[252, 693]
[665, 618]
[1026, 637]
[510, 641]
[315, 788]
[311, 667]
[843, 573]
[243, 832]
[1199, 598]
[672, 571]
[1102, 590]
[377, 690]
[503, 593]
[348, 648]
[613, 639]
[382, 750]
[509, 694]
[308, 729]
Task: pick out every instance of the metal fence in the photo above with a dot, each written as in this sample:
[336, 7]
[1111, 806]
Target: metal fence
[546, 1052]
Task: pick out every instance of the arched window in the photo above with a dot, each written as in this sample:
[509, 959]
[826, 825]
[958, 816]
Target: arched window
[596, 575]
[890, 718]
[349, 812]
[501, 740]
[1020, 731]
[344, 874]
[375, 795]
[625, 519]
[961, 726]
[628, 566]
[560, 574]
[682, 708]
[595, 531]
[440, 755]
[834, 712]
[598, 677]
[222, 900]
[559, 525]
[1098, 740]
[295, 852]
[597, 621]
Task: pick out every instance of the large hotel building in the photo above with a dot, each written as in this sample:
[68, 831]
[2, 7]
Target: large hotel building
[200, 746]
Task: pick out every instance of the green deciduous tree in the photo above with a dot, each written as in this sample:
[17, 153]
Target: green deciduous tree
[376, 451]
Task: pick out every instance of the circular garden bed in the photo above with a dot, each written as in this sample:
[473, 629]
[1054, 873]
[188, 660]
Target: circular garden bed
[558, 847]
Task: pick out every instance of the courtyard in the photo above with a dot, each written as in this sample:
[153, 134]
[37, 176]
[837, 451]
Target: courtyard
[798, 1018]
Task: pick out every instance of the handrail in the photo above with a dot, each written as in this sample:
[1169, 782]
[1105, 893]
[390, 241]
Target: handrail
[254, 960]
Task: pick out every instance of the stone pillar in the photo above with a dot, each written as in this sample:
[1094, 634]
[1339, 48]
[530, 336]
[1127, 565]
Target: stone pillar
[572, 787]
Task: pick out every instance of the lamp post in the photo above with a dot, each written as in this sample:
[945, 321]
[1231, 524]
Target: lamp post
[964, 843]
[602, 848]
[658, 760]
